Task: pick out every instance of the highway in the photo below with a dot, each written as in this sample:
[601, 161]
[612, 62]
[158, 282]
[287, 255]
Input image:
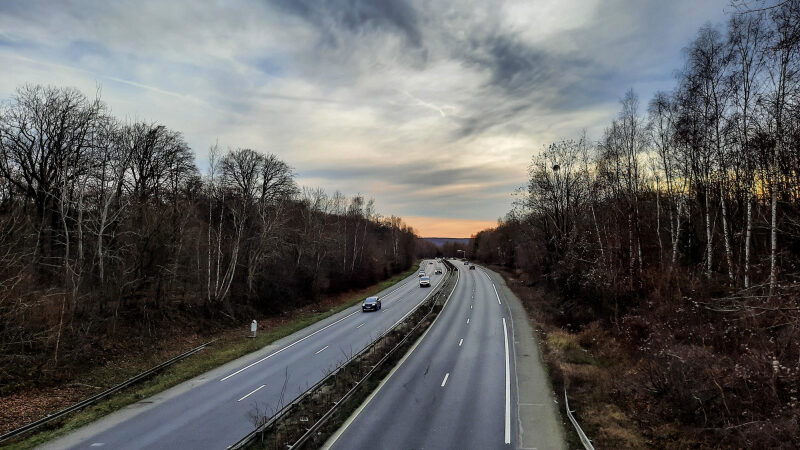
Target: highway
[213, 411]
[456, 389]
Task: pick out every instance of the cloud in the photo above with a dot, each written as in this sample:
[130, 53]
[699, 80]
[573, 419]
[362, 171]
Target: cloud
[434, 108]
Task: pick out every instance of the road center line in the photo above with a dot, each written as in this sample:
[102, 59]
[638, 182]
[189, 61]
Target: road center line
[460, 342]
[252, 392]
[362, 324]
[508, 386]
[321, 350]
[445, 378]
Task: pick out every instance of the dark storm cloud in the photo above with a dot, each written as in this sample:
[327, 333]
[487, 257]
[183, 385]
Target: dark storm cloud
[357, 16]
[515, 67]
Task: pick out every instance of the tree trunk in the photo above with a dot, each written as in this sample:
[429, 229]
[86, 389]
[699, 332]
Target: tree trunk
[728, 251]
[709, 247]
[747, 237]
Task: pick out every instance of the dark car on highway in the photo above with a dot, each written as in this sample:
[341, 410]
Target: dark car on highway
[471, 267]
[371, 304]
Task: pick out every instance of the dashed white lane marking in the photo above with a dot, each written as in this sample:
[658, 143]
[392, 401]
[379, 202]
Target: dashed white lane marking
[470, 306]
[362, 324]
[445, 378]
[460, 342]
[288, 346]
[467, 321]
[252, 392]
[98, 444]
[321, 350]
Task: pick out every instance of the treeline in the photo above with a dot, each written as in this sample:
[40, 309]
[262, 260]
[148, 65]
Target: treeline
[108, 228]
[680, 229]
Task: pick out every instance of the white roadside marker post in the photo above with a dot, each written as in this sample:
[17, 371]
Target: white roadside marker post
[253, 328]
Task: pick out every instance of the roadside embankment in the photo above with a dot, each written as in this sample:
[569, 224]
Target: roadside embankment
[32, 403]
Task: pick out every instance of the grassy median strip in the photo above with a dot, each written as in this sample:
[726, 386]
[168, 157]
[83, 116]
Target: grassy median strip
[222, 351]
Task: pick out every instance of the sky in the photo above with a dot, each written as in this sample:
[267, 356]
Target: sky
[433, 108]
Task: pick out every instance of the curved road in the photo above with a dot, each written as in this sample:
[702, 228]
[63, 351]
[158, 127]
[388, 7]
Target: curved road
[457, 389]
[213, 411]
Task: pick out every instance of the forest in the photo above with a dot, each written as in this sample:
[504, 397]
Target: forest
[677, 234]
[108, 229]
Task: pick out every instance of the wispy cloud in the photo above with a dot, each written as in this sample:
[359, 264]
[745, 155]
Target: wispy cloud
[432, 107]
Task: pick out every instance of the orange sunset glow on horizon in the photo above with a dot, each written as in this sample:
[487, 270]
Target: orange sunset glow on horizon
[447, 227]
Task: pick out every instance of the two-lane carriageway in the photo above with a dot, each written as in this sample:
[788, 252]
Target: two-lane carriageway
[456, 389]
[214, 410]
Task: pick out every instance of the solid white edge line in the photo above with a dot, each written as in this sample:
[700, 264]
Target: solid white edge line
[445, 378]
[508, 387]
[335, 437]
[320, 350]
[252, 392]
[514, 352]
[312, 334]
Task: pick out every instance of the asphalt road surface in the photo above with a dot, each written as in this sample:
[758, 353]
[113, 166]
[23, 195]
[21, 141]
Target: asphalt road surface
[456, 389]
[214, 410]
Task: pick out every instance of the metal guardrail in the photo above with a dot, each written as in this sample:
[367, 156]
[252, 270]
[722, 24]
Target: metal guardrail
[84, 403]
[250, 437]
[325, 417]
[587, 443]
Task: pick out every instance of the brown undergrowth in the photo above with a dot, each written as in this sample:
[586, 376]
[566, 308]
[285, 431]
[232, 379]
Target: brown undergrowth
[684, 368]
[585, 362]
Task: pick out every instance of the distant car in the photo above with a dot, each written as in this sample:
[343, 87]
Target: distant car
[466, 262]
[425, 282]
[438, 271]
[421, 273]
[430, 262]
[371, 304]
[471, 267]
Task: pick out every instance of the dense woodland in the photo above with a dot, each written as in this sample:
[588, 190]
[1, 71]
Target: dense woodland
[679, 231]
[109, 230]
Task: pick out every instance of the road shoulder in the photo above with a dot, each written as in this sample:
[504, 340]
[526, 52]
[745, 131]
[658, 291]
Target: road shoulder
[539, 423]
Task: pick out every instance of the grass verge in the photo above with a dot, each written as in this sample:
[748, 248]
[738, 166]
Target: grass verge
[229, 346]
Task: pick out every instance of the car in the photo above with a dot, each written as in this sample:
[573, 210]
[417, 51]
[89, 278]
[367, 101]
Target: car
[466, 263]
[430, 262]
[438, 272]
[421, 273]
[371, 304]
[425, 282]
[472, 267]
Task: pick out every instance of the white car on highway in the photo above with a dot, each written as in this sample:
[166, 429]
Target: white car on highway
[424, 282]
